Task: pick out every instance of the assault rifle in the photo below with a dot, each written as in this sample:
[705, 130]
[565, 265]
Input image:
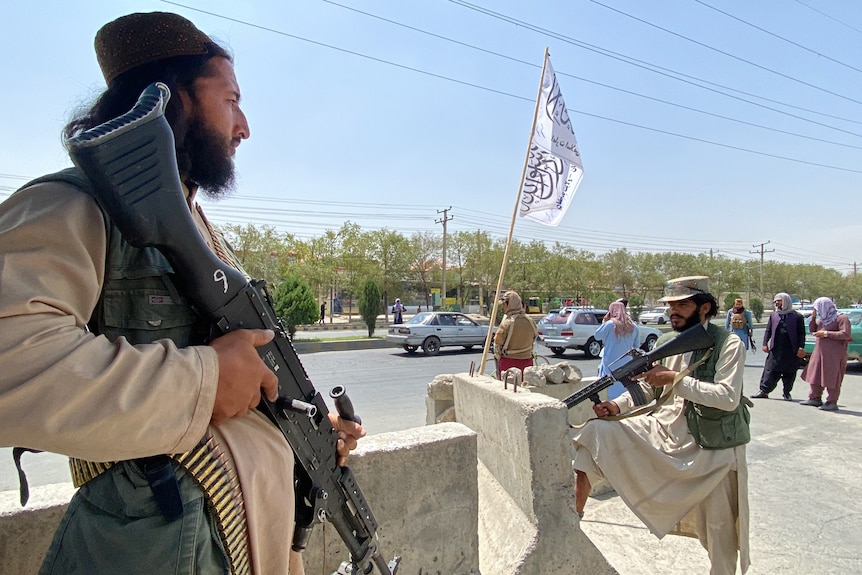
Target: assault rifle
[131, 163]
[691, 339]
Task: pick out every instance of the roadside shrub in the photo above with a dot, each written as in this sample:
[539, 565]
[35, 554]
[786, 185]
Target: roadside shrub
[756, 306]
[294, 303]
[369, 305]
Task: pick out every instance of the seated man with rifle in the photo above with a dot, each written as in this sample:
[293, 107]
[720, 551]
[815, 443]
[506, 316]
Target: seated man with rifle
[679, 464]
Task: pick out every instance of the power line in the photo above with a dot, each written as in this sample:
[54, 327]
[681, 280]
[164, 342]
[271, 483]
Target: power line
[571, 111]
[822, 13]
[728, 54]
[593, 82]
[667, 72]
[774, 35]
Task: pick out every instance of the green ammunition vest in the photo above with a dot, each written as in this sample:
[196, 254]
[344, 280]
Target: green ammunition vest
[139, 299]
[711, 427]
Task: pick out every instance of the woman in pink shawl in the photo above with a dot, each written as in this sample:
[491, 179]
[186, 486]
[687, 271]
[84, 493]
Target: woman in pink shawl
[618, 335]
[825, 369]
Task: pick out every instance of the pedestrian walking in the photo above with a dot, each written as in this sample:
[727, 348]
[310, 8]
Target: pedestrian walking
[825, 369]
[784, 342]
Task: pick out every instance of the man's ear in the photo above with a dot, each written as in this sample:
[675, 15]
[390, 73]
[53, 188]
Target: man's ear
[186, 101]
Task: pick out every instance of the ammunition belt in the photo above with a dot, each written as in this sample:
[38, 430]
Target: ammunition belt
[209, 467]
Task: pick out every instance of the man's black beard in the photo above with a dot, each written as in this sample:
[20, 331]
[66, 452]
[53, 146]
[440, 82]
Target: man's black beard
[693, 319]
[210, 165]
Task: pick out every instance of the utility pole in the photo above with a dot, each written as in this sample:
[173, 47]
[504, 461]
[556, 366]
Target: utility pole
[443, 221]
[761, 251]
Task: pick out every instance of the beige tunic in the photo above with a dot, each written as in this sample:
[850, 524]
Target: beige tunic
[668, 481]
[65, 390]
[517, 333]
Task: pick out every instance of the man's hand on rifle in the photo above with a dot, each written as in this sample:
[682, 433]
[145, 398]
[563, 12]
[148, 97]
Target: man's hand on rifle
[606, 408]
[658, 376]
[348, 433]
[241, 373]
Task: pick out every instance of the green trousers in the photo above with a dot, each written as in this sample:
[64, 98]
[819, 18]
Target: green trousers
[113, 525]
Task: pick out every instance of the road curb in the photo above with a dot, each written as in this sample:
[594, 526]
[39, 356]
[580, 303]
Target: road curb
[339, 345]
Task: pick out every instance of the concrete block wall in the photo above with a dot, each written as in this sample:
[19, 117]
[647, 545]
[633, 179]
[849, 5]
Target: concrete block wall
[490, 493]
[527, 519]
[421, 485]
[25, 534]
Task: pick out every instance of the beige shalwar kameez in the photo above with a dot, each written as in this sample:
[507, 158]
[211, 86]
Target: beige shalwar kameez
[65, 390]
[668, 481]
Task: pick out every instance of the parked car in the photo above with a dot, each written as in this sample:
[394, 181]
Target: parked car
[574, 327]
[659, 315]
[432, 330]
[854, 349]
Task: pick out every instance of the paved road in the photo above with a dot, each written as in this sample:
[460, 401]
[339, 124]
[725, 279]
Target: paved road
[387, 387]
[804, 465]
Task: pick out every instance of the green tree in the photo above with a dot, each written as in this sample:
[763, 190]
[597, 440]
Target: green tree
[294, 303]
[636, 302]
[369, 305]
[756, 305]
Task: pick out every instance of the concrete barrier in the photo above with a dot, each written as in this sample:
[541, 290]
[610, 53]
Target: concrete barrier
[492, 492]
[421, 485]
[527, 519]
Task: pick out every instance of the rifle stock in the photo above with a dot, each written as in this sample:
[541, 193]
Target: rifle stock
[692, 339]
[132, 166]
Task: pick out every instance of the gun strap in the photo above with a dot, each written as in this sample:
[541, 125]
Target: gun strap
[208, 466]
[659, 401]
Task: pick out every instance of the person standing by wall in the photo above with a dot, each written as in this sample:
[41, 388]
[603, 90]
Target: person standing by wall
[825, 369]
[514, 339]
[322, 313]
[739, 322]
[618, 335]
[784, 342]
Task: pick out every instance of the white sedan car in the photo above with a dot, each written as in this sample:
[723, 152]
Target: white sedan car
[432, 330]
[659, 315]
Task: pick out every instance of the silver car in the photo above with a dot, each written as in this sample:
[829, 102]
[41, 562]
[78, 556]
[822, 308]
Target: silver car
[659, 315]
[574, 327]
[432, 330]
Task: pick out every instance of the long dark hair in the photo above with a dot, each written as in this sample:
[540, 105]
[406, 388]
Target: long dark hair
[178, 72]
[702, 298]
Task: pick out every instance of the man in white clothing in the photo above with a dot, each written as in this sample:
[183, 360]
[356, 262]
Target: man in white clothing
[655, 463]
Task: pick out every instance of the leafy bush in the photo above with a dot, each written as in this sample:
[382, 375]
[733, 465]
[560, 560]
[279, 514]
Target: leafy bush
[636, 302]
[294, 303]
[369, 305]
[756, 308]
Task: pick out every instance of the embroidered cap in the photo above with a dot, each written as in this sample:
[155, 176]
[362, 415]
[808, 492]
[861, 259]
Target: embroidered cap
[137, 39]
[684, 288]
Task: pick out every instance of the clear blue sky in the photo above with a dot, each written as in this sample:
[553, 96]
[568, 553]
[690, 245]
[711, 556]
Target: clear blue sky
[343, 129]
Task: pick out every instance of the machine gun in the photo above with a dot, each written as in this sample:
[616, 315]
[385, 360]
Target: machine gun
[131, 163]
[691, 339]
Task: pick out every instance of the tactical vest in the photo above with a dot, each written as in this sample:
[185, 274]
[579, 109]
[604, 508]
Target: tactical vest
[714, 428]
[139, 301]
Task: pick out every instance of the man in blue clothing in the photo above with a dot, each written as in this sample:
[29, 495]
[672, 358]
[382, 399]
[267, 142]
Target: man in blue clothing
[739, 322]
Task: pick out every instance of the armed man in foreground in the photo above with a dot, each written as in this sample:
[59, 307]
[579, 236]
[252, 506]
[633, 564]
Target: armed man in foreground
[680, 466]
[104, 358]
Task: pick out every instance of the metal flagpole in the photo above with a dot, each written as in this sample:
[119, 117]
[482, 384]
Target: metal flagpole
[512, 225]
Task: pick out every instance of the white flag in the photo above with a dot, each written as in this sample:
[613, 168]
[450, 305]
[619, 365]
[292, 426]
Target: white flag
[554, 168]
